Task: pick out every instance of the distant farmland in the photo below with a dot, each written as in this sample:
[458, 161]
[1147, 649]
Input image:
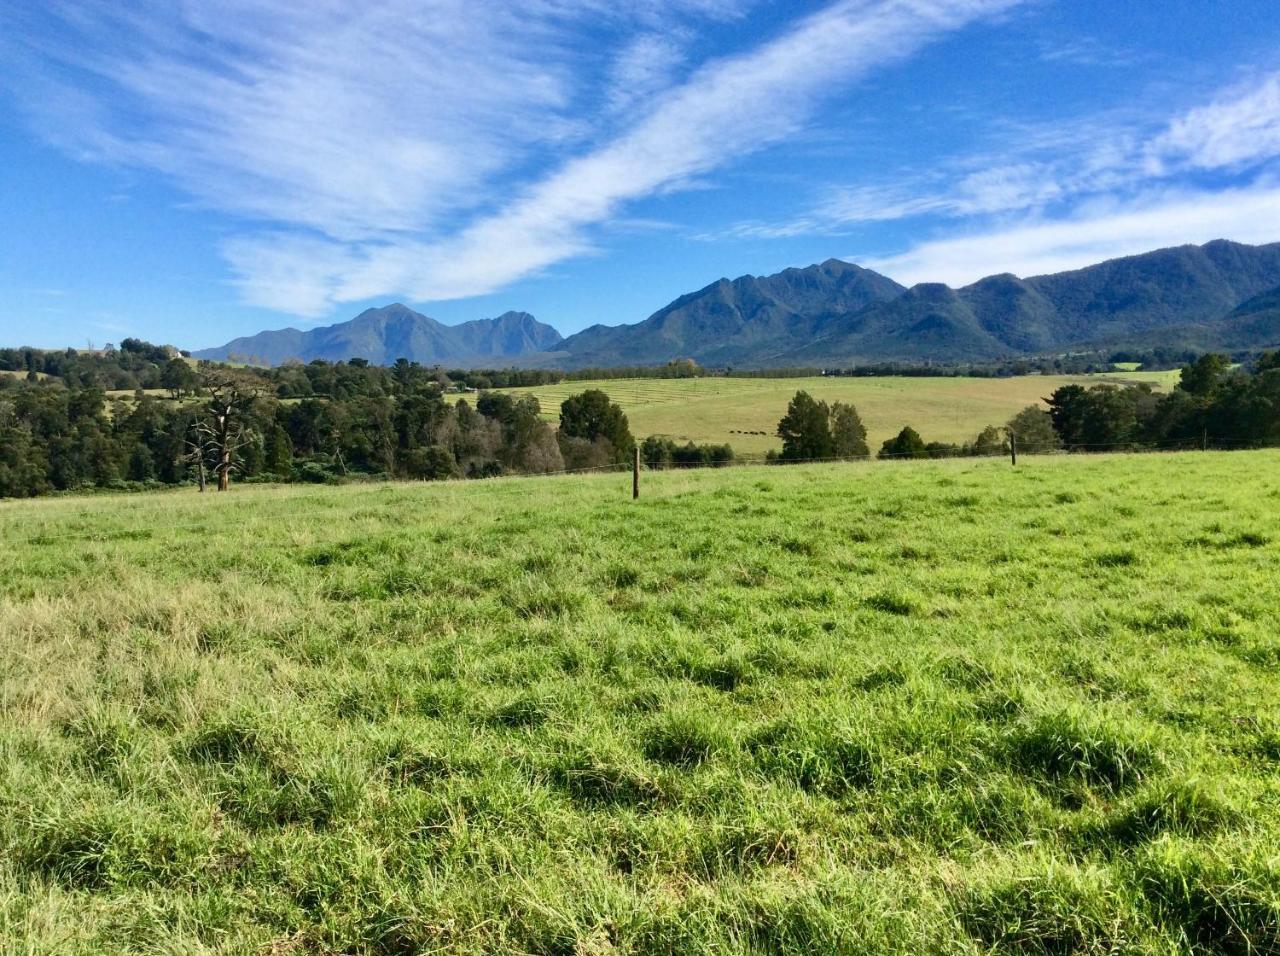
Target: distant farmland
[736, 410]
[914, 708]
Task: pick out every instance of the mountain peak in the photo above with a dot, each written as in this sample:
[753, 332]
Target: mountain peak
[730, 318]
[392, 310]
[389, 308]
[840, 265]
[931, 290]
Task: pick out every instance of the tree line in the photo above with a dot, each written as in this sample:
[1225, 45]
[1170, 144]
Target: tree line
[1215, 405]
[135, 364]
[316, 423]
[60, 430]
[138, 364]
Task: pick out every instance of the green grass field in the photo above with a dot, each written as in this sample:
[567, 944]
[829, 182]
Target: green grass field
[744, 412]
[937, 707]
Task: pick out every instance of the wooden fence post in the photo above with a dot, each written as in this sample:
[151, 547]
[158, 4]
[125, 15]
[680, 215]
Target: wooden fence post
[635, 475]
[1013, 448]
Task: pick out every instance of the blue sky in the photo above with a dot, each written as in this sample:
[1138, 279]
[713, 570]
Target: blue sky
[187, 172]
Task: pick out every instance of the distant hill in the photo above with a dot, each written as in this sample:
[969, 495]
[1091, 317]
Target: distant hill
[1253, 325]
[839, 314]
[395, 331]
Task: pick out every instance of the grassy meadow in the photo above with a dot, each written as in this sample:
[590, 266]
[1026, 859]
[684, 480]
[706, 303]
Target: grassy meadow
[744, 412]
[937, 707]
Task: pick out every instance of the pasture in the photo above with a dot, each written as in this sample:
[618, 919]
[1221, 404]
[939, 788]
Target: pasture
[936, 707]
[744, 412]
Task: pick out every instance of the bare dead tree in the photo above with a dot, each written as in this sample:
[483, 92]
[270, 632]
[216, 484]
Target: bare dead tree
[223, 431]
[195, 456]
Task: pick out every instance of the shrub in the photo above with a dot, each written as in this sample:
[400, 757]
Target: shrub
[906, 444]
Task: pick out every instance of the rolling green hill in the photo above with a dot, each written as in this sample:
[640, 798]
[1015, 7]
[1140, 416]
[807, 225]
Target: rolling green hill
[1254, 324]
[744, 412]
[892, 708]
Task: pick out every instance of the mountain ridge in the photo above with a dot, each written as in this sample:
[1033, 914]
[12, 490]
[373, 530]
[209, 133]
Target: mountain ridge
[765, 312]
[383, 335]
[835, 313]
[1116, 302]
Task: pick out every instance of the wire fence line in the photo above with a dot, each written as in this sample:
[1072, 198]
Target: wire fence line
[1204, 443]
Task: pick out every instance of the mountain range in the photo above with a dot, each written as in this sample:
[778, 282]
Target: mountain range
[383, 335]
[1221, 295]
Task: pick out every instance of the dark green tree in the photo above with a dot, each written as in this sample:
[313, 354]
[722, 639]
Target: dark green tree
[1032, 428]
[497, 405]
[805, 430]
[848, 434]
[656, 452]
[990, 441]
[277, 451]
[431, 463]
[1102, 417]
[1203, 376]
[906, 444]
[24, 466]
[1267, 362]
[178, 378]
[591, 417]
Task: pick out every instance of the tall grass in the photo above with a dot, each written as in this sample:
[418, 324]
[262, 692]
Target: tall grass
[867, 708]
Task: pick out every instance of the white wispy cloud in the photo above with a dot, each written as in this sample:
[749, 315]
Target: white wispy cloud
[1239, 128]
[725, 110]
[1089, 51]
[1057, 171]
[1096, 232]
[349, 121]
[368, 140]
[643, 68]
[1102, 191]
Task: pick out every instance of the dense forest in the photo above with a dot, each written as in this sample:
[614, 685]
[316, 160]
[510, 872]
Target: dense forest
[75, 420]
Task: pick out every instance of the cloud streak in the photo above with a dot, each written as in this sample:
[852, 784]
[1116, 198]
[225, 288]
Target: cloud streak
[1237, 129]
[1104, 231]
[352, 124]
[726, 110]
[1089, 162]
[1125, 190]
[366, 142]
